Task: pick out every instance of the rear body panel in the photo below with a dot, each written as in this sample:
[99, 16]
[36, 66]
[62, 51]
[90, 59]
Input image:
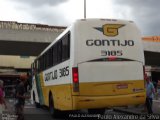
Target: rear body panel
[110, 78]
[85, 102]
[91, 42]
[109, 57]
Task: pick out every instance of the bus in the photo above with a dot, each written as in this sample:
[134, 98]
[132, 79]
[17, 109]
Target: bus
[93, 64]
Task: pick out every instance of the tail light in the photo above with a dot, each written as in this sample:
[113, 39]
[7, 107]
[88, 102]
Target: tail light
[75, 79]
[75, 75]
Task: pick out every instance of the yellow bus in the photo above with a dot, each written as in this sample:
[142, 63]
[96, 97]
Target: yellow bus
[93, 64]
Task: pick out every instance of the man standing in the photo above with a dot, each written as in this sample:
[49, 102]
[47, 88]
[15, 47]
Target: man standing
[20, 96]
[150, 90]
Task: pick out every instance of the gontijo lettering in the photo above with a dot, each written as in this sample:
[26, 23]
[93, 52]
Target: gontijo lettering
[106, 42]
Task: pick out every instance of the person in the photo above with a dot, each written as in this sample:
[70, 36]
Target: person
[20, 96]
[150, 91]
[2, 99]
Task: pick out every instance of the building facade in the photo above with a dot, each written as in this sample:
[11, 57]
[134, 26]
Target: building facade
[20, 43]
[152, 58]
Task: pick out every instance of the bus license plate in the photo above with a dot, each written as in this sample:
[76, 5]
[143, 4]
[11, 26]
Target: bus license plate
[122, 86]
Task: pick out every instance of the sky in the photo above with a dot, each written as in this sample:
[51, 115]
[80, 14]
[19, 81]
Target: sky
[145, 13]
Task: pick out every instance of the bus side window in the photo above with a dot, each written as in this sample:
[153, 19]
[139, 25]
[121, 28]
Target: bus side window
[59, 45]
[66, 47]
[55, 54]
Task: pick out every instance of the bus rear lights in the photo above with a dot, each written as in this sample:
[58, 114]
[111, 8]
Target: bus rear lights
[75, 75]
[75, 79]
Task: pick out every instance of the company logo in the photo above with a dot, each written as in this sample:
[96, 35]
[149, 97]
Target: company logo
[110, 30]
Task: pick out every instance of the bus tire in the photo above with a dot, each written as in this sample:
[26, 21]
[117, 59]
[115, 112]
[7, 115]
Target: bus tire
[54, 112]
[97, 111]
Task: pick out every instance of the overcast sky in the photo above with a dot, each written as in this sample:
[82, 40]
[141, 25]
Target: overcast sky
[145, 13]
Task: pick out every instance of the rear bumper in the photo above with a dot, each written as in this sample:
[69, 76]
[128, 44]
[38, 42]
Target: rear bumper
[85, 102]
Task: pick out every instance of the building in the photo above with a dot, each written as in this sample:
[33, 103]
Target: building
[20, 43]
[152, 57]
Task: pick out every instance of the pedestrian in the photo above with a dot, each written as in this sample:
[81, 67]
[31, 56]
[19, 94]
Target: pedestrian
[150, 91]
[20, 97]
[2, 99]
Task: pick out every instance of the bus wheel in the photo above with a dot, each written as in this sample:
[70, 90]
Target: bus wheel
[54, 112]
[96, 111]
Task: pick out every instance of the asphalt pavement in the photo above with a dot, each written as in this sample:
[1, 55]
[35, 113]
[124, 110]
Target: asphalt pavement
[140, 109]
[33, 113]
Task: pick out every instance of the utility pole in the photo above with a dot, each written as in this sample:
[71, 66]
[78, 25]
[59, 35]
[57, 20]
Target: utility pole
[84, 9]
